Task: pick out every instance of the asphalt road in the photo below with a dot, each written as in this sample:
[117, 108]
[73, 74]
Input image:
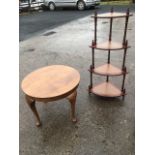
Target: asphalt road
[31, 24]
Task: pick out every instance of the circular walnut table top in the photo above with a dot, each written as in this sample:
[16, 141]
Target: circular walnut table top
[53, 82]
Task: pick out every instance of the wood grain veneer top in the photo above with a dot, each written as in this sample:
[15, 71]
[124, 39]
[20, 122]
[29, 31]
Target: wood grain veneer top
[50, 81]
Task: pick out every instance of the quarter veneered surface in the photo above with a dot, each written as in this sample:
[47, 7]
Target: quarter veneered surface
[106, 89]
[51, 81]
[109, 45]
[108, 69]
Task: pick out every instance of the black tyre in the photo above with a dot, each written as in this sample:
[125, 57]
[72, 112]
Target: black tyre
[51, 6]
[81, 5]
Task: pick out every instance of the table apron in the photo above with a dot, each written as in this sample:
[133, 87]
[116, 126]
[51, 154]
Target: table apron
[45, 100]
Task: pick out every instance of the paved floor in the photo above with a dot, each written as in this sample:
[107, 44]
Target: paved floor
[105, 126]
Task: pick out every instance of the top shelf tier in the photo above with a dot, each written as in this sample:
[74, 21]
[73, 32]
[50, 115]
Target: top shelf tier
[112, 15]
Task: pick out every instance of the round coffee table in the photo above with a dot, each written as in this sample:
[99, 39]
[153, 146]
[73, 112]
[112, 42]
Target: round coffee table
[51, 83]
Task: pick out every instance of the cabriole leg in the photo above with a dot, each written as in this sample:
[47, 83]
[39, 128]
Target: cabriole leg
[72, 100]
[31, 104]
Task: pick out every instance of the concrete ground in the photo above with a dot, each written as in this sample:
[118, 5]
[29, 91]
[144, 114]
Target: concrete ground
[105, 126]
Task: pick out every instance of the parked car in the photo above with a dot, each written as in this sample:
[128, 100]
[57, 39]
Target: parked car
[33, 4]
[79, 4]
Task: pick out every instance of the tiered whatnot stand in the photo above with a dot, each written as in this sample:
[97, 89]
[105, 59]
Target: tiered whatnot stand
[107, 89]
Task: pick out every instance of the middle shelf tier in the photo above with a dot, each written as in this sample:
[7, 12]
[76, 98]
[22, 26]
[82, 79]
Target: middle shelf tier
[109, 45]
[107, 69]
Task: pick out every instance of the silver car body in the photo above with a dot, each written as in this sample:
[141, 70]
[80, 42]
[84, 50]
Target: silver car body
[32, 3]
[71, 3]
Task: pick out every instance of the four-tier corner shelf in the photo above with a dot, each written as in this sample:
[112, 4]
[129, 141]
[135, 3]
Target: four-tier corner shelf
[107, 89]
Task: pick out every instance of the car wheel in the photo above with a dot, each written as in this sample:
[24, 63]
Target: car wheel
[51, 6]
[81, 5]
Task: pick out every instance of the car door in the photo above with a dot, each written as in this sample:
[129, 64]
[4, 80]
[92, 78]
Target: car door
[65, 3]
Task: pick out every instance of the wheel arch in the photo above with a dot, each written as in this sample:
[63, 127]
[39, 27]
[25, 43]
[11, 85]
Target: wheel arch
[80, 1]
[51, 2]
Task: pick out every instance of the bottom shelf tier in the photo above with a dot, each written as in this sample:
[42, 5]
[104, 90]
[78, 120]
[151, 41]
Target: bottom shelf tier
[106, 89]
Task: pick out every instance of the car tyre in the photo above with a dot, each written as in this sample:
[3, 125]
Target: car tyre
[51, 6]
[81, 5]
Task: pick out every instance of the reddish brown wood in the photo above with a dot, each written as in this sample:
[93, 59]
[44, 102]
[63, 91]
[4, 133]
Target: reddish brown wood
[95, 27]
[123, 82]
[91, 78]
[126, 25]
[110, 31]
[92, 67]
[108, 69]
[93, 55]
[112, 15]
[49, 84]
[124, 56]
[109, 45]
[106, 89]
[110, 36]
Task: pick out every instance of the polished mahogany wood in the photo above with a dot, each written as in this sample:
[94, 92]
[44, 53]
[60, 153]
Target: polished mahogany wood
[108, 69]
[51, 83]
[112, 15]
[109, 45]
[110, 37]
[106, 89]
